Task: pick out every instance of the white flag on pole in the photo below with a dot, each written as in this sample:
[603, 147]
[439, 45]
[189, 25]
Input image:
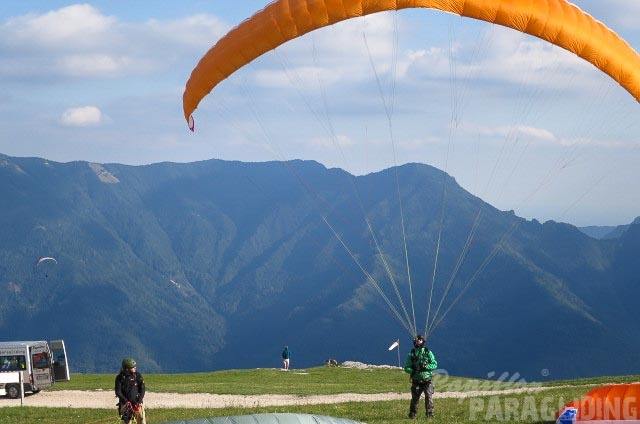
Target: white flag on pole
[394, 345]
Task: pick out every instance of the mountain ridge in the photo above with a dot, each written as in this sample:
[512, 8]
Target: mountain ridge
[215, 264]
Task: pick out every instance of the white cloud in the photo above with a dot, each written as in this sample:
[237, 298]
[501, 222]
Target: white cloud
[541, 135]
[416, 144]
[82, 117]
[81, 41]
[198, 32]
[434, 61]
[515, 131]
[93, 65]
[70, 27]
[622, 145]
[339, 53]
[327, 142]
[615, 14]
[524, 59]
[304, 77]
[504, 55]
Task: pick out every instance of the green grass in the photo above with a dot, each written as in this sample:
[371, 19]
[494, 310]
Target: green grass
[509, 408]
[312, 381]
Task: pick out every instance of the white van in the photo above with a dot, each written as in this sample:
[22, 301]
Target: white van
[40, 363]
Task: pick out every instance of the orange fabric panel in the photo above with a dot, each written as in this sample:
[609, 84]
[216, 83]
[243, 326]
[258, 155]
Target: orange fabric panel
[337, 10]
[303, 17]
[609, 402]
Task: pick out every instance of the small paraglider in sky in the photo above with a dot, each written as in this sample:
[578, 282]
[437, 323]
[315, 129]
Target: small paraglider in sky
[45, 260]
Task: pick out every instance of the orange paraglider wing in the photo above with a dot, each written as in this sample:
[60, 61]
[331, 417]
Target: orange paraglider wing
[556, 21]
[610, 403]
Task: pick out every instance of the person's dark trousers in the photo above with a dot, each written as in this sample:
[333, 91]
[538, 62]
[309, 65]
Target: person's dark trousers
[417, 389]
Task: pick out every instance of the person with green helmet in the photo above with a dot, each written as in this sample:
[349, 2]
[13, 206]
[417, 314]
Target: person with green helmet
[130, 391]
[419, 364]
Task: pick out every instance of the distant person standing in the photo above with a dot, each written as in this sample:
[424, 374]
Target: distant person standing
[130, 390]
[419, 365]
[286, 356]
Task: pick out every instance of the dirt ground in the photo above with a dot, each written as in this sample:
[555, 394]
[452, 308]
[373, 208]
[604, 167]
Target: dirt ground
[103, 399]
[100, 399]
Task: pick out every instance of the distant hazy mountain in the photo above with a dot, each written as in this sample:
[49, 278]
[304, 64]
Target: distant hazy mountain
[606, 232]
[212, 265]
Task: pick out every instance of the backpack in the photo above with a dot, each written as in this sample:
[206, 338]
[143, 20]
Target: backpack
[418, 365]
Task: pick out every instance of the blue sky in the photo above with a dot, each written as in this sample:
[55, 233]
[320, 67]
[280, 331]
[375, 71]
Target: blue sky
[520, 123]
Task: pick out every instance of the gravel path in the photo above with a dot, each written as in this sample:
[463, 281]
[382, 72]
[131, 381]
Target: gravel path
[101, 399]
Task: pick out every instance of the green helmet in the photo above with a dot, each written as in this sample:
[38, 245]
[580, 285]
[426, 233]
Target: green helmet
[128, 363]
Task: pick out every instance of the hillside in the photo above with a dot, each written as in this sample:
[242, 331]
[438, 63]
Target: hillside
[214, 265]
[605, 232]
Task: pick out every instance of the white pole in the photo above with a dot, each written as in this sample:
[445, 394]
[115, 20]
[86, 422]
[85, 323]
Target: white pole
[21, 388]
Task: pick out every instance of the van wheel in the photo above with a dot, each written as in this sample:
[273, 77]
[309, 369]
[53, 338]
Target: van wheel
[13, 391]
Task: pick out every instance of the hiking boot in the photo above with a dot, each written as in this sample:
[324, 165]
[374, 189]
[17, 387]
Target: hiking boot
[412, 416]
[430, 414]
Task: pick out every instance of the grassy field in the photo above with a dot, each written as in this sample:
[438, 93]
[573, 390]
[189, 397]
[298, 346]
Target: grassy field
[537, 407]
